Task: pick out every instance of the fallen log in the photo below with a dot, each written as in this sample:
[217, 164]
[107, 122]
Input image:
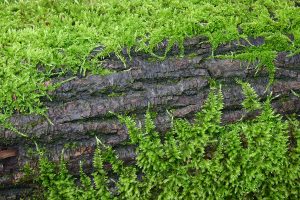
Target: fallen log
[80, 108]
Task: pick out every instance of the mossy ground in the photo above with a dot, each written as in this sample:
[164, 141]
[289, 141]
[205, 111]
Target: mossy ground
[41, 38]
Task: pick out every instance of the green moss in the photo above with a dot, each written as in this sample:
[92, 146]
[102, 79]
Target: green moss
[253, 159]
[28, 173]
[71, 145]
[38, 37]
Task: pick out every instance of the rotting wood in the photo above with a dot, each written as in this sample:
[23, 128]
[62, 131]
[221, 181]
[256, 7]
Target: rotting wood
[80, 109]
[7, 153]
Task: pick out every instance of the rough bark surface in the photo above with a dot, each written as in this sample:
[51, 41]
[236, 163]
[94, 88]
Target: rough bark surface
[80, 109]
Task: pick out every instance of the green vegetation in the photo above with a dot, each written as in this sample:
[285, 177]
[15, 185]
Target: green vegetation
[43, 38]
[255, 159]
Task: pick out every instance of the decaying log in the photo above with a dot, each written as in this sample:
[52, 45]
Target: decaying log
[80, 109]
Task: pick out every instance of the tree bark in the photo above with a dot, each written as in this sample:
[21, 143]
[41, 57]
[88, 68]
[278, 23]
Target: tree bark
[80, 109]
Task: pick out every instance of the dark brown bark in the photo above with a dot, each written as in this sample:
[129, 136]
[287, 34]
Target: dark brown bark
[80, 108]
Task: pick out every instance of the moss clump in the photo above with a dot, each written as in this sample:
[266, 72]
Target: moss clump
[40, 38]
[254, 159]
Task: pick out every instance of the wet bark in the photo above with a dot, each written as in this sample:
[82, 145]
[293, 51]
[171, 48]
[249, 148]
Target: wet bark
[80, 108]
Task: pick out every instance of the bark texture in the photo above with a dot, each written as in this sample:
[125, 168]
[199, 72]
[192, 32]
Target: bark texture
[80, 109]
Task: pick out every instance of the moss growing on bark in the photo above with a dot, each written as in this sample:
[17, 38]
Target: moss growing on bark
[43, 38]
[254, 159]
